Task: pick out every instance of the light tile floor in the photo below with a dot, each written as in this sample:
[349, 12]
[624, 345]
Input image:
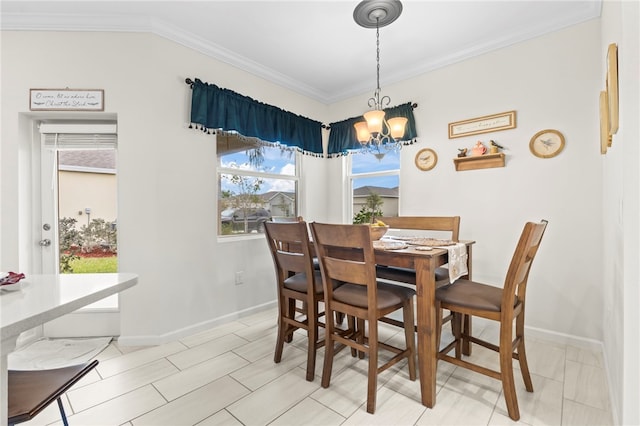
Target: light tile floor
[226, 376]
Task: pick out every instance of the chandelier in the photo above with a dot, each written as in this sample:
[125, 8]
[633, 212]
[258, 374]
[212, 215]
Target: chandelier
[377, 134]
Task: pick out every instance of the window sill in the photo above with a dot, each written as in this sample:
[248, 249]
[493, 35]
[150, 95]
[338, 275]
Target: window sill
[242, 237]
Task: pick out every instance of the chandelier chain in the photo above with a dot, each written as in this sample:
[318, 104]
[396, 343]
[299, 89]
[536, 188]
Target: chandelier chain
[376, 102]
[378, 53]
[375, 134]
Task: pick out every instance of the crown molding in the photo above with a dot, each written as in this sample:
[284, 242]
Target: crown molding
[120, 23]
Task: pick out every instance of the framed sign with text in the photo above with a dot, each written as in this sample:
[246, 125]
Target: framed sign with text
[485, 124]
[66, 99]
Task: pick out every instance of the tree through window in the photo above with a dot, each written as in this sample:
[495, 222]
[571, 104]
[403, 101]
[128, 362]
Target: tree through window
[256, 182]
[375, 185]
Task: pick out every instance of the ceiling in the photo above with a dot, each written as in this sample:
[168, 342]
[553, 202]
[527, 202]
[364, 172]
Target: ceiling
[314, 47]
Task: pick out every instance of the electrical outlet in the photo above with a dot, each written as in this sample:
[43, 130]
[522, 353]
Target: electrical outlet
[239, 277]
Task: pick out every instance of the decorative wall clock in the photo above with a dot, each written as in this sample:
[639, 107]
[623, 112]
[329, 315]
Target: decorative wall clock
[426, 159]
[547, 143]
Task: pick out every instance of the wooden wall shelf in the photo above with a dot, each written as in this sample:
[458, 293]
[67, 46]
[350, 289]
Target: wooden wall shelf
[486, 161]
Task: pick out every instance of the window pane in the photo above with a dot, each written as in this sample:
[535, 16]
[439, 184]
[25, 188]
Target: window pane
[252, 191]
[379, 193]
[367, 162]
[267, 159]
[247, 202]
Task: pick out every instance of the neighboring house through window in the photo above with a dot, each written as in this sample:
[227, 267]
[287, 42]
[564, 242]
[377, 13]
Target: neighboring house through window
[256, 182]
[372, 179]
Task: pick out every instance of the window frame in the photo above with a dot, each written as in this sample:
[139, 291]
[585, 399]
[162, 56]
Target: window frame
[295, 178]
[351, 177]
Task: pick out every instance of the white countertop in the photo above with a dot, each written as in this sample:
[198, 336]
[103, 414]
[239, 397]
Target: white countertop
[42, 298]
[46, 297]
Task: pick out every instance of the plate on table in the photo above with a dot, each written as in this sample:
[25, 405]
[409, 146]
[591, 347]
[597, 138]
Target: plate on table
[11, 287]
[389, 245]
[430, 242]
[10, 281]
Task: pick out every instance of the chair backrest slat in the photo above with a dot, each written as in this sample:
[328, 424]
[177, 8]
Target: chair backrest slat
[345, 253]
[289, 246]
[426, 223]
[515, 284]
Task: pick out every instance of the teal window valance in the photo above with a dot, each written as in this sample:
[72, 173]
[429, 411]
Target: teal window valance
[343, 138]
[215, 108]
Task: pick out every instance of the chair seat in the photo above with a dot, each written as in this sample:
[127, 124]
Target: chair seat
[406, 275]
[471, 294]
[389, 295]
[31, 391]
[298, 282]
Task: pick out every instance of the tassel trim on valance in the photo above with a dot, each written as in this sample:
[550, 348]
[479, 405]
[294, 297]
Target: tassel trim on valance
[215, 110]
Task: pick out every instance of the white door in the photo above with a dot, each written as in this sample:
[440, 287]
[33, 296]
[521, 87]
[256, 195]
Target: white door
[78, 191]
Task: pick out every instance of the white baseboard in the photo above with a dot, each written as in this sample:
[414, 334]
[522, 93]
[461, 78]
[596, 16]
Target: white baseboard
[193, 329]
[84, 323]
[565, 339]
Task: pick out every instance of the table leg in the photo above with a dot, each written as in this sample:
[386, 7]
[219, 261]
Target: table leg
[3, 391]
[427, 350]
[8, 345]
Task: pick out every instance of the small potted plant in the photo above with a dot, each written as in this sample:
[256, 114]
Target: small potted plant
[368, 215]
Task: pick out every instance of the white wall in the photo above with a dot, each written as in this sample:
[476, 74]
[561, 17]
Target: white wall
[621, 212]
[166, 173]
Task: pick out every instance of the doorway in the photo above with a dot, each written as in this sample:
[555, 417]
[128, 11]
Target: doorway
[78, 189]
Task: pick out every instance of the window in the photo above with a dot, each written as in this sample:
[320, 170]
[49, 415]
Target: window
[374, 185]
[256, 182]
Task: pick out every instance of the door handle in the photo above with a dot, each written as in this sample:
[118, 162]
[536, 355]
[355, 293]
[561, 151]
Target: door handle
[45, 243]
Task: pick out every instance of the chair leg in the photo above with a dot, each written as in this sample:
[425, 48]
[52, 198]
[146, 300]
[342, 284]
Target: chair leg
[439, 325]
[351, 327]
[282, 326]
[291, 313]
[372, 380]
[312, 338]
[506, 371]
[466, 328]
[62, 413]
[360, 330]
[328, 348]
[456, 325]
[522, 353]
[410, 337]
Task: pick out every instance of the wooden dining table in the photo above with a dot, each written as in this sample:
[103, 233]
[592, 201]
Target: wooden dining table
[425, 264]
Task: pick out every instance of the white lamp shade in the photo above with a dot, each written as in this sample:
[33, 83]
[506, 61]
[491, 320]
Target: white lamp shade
[396, 127]
[362, 131]
[374, 120]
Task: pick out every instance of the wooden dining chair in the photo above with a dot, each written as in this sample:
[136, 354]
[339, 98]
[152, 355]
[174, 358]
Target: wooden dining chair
[31, 391]
[346, 256]
[505, 305]
[442, 227]
[297, 280]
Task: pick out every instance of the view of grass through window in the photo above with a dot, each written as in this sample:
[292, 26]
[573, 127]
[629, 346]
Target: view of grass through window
[89, 249]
